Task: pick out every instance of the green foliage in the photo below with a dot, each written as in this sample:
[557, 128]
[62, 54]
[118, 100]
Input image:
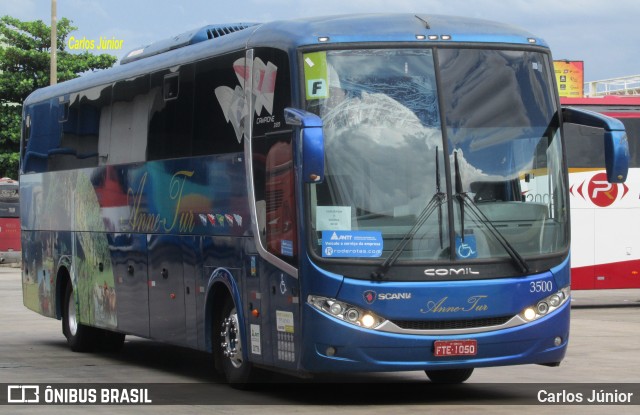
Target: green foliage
[24, 67]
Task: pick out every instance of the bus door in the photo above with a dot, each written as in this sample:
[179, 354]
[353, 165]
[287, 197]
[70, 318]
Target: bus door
[275, 205]
[129, 261]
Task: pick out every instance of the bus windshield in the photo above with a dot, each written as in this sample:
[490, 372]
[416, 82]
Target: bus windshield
[459, 161]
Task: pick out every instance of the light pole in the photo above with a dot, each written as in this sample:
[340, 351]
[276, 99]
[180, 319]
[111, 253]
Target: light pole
[53, 72]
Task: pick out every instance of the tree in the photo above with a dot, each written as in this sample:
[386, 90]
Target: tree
[25, 53]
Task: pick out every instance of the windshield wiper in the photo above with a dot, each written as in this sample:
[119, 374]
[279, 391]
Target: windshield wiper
[465, 200]
[436, 202]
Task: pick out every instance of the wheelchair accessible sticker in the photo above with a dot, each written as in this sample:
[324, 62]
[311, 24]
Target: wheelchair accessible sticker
[466, 249]
[351, 244]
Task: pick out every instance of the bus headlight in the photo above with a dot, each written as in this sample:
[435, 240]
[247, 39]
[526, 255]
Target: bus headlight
[346, 312]
[546, 305]
[336, 308]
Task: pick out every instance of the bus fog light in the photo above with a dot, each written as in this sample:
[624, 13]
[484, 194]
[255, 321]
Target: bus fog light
[331, 351]
[557, 341]
[529, 314]
[543, 307]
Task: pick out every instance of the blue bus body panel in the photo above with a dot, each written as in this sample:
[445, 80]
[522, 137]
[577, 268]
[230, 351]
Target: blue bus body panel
[457, 302]
[152, 234]
[366, 350]
[446, 300]
[197, 196]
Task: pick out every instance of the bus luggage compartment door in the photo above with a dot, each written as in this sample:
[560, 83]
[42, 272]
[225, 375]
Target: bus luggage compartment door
[129, 260]
[166, 289]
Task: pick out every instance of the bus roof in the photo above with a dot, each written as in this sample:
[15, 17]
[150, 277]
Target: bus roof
[388, 28]
[291, 34]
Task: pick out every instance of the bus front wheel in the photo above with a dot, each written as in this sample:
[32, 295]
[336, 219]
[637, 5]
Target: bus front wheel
[80, 338]
[449, 375]
[237, 370]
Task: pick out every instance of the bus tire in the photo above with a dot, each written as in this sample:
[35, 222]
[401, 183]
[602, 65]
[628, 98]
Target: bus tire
[80, 338]
[237, 371]
[110, 341]
[449, 375]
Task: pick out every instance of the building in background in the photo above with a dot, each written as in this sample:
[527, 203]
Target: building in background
[626, 85]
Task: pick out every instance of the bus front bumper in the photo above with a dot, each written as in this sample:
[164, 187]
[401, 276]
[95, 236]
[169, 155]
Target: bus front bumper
[336, 346]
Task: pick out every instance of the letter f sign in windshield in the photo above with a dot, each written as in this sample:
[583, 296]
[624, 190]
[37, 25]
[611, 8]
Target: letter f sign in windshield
[317, 88]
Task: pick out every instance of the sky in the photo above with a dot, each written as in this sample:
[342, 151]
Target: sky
[605, 35]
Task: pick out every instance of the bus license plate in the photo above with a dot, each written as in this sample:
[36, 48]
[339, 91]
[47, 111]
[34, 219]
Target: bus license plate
[455, 348]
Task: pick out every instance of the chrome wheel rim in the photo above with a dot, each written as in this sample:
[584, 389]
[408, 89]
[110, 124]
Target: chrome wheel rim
[72, 319]
[231, 343]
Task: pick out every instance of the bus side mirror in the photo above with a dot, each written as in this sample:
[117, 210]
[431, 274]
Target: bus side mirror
[616, 145]
[311, 143]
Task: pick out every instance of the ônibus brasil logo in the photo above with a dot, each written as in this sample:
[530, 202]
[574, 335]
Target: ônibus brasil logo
[599, 190]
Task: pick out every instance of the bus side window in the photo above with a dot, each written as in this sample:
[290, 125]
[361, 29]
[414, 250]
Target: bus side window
[129, 120]
[212, 132]
[81, 129]
[275, 201]
[171, 114]
[273, 155]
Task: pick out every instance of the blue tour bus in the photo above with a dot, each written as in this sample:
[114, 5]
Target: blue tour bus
[334, 194]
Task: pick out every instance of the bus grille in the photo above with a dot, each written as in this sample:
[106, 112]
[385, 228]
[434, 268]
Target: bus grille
[451, 324]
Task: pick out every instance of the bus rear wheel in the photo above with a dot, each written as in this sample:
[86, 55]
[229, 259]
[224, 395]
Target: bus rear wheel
[109, 341]
[80, 338]
[449, 375]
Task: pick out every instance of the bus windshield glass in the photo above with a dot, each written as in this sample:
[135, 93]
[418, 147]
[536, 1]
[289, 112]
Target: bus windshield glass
[457, 162]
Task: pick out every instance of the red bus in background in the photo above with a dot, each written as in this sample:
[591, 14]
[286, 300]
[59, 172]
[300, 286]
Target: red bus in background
[9, 221]
[605, 220]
